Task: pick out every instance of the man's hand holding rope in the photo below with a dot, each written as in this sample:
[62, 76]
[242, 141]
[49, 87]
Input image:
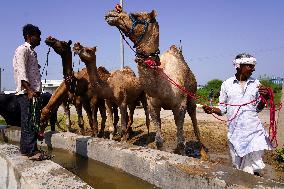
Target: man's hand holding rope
[265, 96]
[210, 110]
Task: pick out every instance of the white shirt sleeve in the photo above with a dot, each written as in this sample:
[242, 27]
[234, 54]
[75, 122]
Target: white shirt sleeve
[223, 99]
[21, 56]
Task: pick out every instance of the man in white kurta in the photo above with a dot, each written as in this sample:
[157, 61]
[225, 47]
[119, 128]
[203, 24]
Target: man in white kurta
[246, 134]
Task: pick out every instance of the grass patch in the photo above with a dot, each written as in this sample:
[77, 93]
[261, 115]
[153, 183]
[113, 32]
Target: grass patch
[279, 155]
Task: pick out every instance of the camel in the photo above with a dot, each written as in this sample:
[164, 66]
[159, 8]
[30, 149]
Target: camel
[143, 30]
[77, 84]
[62, 96]
[122, 88]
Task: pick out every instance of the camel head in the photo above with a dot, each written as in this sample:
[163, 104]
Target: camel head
[87, 54]
[60, 47]
[136, 26]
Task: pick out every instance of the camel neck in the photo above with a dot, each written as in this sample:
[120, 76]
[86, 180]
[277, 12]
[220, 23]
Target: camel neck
[150, 42]
[147, 76]
[92, 72]
[67, 65]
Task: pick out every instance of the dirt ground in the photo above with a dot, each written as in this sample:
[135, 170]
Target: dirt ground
[213, 133]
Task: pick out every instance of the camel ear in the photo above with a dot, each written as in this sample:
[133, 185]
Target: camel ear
[69, 43]
[95, 48]
[153, 14]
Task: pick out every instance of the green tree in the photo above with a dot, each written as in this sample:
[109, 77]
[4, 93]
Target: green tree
[214, 84]
[277, 88]
[203, 92]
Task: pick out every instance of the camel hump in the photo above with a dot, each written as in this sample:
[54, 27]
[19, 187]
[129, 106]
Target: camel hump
[174, 48]
[124, 71]
[128, 70]
[175, 51]
[102, 69]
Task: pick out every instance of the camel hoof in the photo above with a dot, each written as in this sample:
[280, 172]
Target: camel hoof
[180, 149]
[159, 142]
[111, 136]
[159, 145]
[125, 137]
[115, 130]
[101, 134]
[95, 135]
[82, 131]
[130, 131]
[204, 155]
[71, 130]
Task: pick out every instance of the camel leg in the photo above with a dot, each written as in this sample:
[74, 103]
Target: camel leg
[109, 118]
[191, 109]
[129, 130]
[124, 116]
[52, 105]
[179, 114]
[66, 108]
[95, 128]
[93, 109]
[53, 120]
[80, 115]
[145, 107]
[115, 117]
[102, 108]
[156, 120]
[88, 110]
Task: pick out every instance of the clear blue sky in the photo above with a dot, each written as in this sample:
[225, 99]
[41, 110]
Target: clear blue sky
[212, 33]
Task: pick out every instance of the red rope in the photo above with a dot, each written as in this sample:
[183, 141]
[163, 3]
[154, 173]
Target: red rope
[273, 123]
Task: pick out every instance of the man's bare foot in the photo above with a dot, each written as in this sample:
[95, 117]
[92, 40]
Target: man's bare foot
[39, 157]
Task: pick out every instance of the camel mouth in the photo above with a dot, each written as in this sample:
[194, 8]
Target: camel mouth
[50, 41]
[77, 48]
[111, 17]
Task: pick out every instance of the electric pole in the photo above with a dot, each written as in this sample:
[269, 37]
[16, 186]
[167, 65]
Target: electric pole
[0, 79]
[121, 44]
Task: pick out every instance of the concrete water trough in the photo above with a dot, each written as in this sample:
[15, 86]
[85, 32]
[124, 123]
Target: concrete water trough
[162, 169]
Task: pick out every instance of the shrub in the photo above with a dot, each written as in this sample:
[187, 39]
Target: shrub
[279, 154]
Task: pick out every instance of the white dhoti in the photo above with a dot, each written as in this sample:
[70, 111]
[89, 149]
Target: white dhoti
[249, 163]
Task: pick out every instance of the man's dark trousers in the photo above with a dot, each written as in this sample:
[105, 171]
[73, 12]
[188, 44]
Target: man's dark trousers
[28, 142]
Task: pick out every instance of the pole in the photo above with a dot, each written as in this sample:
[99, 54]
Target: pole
[121, 44]
[0, 79]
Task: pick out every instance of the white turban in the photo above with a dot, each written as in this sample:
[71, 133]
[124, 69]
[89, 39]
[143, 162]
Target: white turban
[238, 61]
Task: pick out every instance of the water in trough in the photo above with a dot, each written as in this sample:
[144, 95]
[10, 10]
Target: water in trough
[96, 174]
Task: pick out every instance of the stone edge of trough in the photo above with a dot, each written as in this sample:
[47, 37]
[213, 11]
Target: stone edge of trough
[163, 169]
[22, 173]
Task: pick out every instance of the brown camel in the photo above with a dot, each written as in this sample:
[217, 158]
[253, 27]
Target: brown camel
[77, 84]
[62, 96]
[143, 30]
[122, 88]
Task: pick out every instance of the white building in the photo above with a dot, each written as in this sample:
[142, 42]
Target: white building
[277, 80]
[50, 85]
